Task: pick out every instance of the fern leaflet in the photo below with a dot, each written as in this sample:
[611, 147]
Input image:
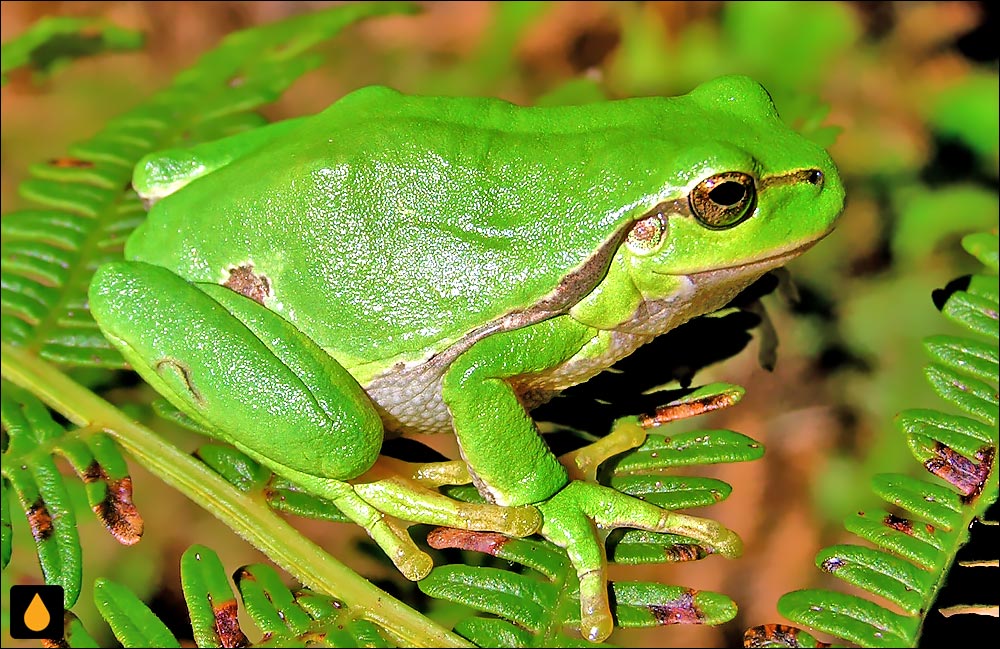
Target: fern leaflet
[285, 618]
[915, 554]
[86, 206]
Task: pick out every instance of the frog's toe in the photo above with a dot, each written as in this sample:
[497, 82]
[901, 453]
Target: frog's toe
[568, 521]
[408, 500]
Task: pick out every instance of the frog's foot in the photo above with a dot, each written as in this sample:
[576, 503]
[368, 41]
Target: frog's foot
[570, 515]
[428, 474]
[568, 521]
[393, 496]
[630, 432]
[626, 434]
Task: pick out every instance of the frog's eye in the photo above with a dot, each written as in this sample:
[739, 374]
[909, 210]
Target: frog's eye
[723, 200]
[646, 234]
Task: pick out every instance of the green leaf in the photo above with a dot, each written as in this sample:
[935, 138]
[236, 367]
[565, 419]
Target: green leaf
[641, 547]
[75, 634]
[912, 556]
[30, 471]
[934, 503]
[210, 600]
[975, 358]
[690, 448]
[969, 111]
[131, 621]
[673, 492]
[494, 632]
[850, 617]
[287, 618]
[639, 604]
[880, 573]
[53, 41]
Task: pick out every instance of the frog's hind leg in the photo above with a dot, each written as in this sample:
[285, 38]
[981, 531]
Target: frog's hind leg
[387, 504]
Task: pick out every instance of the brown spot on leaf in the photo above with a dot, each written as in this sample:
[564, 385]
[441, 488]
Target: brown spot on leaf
[678, 611]
[245, 281]
[61, 643]
[767, 635]
[71, 163]
[93, 473]
[40, 521]
[679, 552]
[833, 564]
[929, 528]
[227, 624]
[118, 512]
[965, 475]
[898, 523]
[448, 537]
[668, 413]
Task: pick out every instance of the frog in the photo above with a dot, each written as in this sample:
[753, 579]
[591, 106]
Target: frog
[402, 264]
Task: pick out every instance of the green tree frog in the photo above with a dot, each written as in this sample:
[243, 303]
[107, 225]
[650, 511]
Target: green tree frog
[401, 264]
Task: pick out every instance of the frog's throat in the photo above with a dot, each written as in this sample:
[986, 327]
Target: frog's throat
[694, 294]
[701, 292]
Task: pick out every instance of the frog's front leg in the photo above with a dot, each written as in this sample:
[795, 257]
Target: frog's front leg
[512, 465]
[252, 379]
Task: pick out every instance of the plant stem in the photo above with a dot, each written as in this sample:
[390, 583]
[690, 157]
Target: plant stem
[258, 525]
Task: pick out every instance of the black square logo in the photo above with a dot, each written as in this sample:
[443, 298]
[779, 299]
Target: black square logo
[36, 612]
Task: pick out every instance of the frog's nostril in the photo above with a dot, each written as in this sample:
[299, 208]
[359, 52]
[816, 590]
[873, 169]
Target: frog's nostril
[814, 177]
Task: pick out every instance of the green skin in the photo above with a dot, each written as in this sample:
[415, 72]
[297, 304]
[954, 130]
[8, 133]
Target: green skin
[417, 264]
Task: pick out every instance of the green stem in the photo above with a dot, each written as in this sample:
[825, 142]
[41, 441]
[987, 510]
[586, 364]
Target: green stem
[261, 527]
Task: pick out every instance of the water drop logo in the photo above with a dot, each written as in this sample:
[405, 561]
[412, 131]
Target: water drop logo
[37, 617]
[36, 612]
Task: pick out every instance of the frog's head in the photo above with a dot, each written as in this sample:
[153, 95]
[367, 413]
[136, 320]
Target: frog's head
[744, 194]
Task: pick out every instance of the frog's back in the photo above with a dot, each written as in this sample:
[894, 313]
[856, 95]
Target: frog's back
[390, 226]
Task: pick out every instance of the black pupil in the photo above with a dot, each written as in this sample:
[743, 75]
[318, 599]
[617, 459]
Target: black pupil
[728, 194]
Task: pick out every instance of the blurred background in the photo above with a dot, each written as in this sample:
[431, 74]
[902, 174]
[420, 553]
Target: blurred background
[904, 95]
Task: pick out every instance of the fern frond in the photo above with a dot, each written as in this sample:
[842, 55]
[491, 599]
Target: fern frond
[54, 41]
[29, 470]
[539, 602]
[246, 516]
[542, 605]
[285, 618]
[913, 554]
[86, 208]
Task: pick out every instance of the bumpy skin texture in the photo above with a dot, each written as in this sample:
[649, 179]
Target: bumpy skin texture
[444, 264]
[391, 226]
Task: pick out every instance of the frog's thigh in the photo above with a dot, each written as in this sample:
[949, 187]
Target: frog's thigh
[499, 440]
[240, 370]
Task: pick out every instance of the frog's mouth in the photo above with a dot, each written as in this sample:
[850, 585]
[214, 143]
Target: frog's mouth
[762, 265]
[759, 266]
